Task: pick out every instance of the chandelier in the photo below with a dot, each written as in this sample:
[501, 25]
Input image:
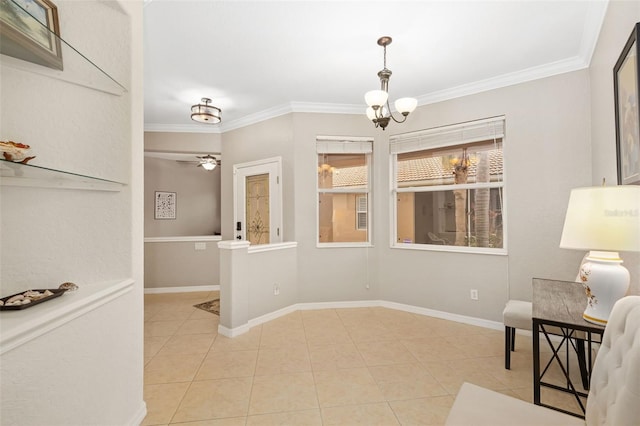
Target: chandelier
[378, 109]
[205, 113]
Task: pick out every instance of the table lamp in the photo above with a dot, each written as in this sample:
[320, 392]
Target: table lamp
[603, 220]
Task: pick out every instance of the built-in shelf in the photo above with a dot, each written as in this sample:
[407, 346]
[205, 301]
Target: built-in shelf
[64, 62]
[18, 174]
[21, 326]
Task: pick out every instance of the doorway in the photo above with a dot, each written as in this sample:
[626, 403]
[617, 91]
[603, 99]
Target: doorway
[257, 193]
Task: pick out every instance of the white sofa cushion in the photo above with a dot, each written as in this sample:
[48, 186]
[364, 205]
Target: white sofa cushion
[614, 398]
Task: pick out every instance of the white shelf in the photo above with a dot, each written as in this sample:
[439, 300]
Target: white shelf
[21, 326]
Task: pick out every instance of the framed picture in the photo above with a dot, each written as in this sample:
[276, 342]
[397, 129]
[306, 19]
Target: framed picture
[165, 205]
[29, 30]
[626, 81]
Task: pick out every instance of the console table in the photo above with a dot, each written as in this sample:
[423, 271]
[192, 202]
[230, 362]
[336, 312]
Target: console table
[557, 311]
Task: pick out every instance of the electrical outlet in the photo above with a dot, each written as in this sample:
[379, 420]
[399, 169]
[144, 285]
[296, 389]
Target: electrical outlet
[201, 246]
[276, 289]
[473, 294]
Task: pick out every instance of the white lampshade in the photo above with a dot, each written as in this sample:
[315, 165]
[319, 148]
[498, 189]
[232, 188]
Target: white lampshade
[603, 218]
[371, 114]
[406, 105]
[208, 166]
[376, 97]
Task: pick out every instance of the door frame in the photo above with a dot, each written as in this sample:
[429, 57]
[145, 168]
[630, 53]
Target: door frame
[273, 167]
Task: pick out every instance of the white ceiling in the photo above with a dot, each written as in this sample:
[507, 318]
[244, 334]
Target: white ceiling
[260, 59]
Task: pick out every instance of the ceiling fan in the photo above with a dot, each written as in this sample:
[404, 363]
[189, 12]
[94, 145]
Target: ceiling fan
[207, 162]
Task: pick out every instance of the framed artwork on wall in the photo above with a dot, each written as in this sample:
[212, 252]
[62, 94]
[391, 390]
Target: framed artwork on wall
[626, 81]
[29, 30]
[165, 205]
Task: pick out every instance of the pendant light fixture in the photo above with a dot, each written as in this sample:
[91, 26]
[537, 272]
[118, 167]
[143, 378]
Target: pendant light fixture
[378, 109]
[205, 113]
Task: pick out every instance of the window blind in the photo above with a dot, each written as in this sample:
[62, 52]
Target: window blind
[344, 144]
[456, 134]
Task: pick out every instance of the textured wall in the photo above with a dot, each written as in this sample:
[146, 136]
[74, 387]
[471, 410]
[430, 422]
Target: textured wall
[89, 370]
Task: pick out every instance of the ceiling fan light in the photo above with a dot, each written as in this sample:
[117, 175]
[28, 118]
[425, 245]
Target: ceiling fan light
[376, 98]
[208, 166]
[406, 106]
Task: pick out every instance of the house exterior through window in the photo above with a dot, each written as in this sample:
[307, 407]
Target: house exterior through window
[448, 188]
[344, 201]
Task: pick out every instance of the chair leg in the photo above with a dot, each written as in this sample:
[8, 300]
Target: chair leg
[513, 339]
[507, 347]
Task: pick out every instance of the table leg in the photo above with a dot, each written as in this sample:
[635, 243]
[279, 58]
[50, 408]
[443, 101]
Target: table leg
[536, 362]
[582, 362]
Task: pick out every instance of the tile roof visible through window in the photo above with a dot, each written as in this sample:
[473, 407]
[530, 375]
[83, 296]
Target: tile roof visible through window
[431, 171]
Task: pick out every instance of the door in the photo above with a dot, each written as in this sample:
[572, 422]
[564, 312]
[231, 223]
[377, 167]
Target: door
[257, 200]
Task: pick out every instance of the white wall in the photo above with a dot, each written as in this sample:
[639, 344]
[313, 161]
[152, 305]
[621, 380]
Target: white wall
[197, 198]
[172, 264]
[89, 370]
[267, 139]
[619, 21]
[546, 150]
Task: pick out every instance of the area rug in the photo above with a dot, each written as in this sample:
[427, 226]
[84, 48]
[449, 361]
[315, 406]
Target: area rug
[212, 306]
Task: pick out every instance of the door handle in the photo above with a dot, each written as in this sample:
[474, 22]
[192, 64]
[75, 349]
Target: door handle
[239, 237]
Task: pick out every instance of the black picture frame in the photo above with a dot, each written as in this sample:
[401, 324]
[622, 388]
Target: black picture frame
[626, 83]
[30, 31]
[165, 205]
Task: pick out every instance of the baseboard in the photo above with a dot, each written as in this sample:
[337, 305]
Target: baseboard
[139, 416]
[495, 325]
[186, 289]
[233, 332]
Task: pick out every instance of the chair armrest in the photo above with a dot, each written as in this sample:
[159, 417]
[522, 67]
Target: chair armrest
[479, 406]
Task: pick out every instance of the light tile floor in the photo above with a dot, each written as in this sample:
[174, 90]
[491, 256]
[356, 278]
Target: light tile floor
[356, 366]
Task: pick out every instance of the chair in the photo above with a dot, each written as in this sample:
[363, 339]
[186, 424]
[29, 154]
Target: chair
[614, 397]
[516, 314]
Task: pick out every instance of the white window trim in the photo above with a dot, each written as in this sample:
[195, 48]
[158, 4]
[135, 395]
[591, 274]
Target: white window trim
[346, 145]
[420, 140]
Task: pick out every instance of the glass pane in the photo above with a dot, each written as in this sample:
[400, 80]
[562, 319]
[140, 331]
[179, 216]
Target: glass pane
[338, 218]
[342, 171]
[469, 218]
[257, 209]
[469, 163]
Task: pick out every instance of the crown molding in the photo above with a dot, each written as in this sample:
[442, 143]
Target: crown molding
[548, 70]
[505, 80]
[592, 27]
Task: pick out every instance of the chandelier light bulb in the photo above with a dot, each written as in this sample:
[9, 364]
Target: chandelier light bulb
[376, 98]
[405, 106]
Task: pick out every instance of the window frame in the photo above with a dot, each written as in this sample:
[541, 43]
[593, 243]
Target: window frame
[361, 145]
[444, 143]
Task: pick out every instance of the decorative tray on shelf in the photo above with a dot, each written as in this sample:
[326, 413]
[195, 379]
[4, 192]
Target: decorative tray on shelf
[36, 296]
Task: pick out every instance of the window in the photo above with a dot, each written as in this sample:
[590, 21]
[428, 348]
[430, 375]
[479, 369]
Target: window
[344, 202]
[448, 188]
[361, 213]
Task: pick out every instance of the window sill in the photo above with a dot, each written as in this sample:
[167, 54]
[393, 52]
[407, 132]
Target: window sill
[343, 245]
[451, 249]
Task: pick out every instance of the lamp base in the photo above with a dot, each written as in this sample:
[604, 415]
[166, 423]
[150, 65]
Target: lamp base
[605, 281]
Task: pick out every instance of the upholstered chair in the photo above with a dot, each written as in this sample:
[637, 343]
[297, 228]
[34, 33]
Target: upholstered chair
[614, 395]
